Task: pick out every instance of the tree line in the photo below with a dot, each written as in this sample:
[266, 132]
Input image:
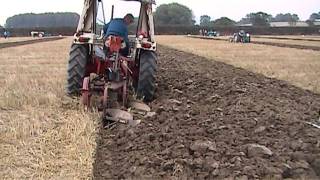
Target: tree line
[177, 14]
[31, 20]
[173, 14]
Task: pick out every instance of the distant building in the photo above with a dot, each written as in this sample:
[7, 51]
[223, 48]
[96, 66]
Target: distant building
[247, 25]
[316, 22]
[285, 24]
[289, 24]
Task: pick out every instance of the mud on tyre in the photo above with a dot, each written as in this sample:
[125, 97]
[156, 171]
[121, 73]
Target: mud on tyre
[76, 68]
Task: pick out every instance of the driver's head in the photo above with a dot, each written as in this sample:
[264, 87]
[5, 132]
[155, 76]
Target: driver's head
[128, 19]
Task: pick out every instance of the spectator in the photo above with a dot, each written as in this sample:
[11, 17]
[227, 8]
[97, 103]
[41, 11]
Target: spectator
[5, 34]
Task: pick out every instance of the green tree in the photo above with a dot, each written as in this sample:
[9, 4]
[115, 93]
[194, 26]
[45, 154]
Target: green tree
[291, 18]
[257, 19]
[224, 21]
[286, 18]
[314, 16]
[31, 20]
[174, 14]
[1, 30]
[205, 20]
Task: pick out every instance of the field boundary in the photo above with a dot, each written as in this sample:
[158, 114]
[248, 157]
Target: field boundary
[296, 46]
[26, 42]
[315, 48]
[287, 38]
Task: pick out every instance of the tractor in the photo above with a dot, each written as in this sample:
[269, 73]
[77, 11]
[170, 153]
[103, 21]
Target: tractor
[97, 68]
[241, 36]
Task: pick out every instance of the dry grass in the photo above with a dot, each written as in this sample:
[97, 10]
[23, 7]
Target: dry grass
[43, 133]
[299, 67]
[282, 41]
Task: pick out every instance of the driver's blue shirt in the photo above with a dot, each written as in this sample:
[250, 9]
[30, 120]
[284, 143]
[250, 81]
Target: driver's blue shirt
[116, 27]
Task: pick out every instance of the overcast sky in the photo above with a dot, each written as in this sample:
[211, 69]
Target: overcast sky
[234, 9]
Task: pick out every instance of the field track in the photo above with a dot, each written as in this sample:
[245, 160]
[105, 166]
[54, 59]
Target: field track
[26, 42]
[296, 46]
[210, 119]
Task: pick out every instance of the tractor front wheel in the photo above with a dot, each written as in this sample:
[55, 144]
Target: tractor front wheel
[147, 75]
[76, 68]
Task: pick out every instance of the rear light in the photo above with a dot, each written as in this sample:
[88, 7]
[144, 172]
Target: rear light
[140, 37]
[146, 45]
[143, 34]
[84, 39]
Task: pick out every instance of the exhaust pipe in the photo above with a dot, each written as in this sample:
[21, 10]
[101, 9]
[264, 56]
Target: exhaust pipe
[112, 12]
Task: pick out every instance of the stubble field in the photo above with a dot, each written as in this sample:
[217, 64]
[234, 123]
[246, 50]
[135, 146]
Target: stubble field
[299, 67]
[43, 133]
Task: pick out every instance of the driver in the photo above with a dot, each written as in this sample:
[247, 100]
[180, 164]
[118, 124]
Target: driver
[119, 27]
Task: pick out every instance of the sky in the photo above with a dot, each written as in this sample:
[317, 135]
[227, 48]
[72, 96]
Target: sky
[234, 9]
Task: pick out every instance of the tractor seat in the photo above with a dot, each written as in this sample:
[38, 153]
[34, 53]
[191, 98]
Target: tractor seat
[114, 43]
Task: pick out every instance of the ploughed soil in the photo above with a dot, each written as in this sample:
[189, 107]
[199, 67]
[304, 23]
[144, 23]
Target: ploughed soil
[215, 121]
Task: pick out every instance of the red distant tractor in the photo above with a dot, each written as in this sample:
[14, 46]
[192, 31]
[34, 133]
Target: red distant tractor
[96, 65]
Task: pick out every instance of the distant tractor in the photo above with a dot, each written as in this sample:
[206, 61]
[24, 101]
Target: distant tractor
[213, 33]
[37, 34]
[240, 37]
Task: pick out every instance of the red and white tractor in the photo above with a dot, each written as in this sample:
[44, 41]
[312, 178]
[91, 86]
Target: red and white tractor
[96, 66]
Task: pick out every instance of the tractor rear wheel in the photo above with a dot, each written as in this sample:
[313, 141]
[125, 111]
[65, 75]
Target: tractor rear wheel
[76, 68]
[147, 75]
